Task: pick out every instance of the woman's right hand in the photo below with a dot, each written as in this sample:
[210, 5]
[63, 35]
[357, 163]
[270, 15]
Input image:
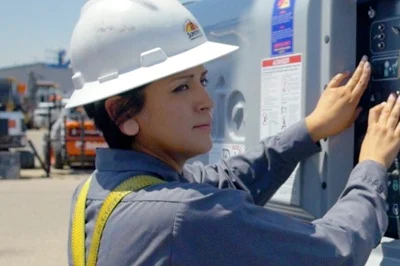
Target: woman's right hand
[382, 141]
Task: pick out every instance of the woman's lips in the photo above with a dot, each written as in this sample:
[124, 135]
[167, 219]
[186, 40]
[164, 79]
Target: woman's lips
[203, 126]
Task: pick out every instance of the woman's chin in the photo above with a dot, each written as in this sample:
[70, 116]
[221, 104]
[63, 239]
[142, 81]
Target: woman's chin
[201, 148]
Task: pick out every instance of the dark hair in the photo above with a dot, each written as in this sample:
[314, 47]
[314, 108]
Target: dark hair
[132, 103]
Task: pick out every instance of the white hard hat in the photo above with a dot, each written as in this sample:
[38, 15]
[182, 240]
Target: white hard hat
[118, 45]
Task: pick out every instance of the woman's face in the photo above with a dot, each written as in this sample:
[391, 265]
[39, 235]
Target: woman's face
[177, 115]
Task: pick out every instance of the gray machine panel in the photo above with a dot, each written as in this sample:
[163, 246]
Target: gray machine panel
[238, 85]
[329, 37]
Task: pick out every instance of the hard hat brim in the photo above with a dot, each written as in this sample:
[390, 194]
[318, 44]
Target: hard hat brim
[95, 91]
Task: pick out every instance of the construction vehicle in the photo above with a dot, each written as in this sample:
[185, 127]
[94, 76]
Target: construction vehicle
[40, 117]
[12, 128]
[13, 138]
[289, 51]
[69, 144]
[39, 91]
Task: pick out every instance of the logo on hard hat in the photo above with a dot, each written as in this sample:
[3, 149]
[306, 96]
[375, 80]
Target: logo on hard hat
[192, 30]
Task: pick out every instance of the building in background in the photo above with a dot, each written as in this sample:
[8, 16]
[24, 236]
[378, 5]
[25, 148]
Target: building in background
[42, 82]
[40, 72]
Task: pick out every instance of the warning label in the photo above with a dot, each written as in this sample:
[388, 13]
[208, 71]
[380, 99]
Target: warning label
[282, 27]
[281, 105]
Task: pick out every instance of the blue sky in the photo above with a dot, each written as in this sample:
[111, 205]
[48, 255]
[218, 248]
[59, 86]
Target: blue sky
[30, 29]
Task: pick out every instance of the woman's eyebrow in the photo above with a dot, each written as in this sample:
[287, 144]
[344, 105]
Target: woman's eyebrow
[187, 76]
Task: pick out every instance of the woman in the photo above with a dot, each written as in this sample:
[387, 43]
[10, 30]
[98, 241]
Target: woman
[139, 72]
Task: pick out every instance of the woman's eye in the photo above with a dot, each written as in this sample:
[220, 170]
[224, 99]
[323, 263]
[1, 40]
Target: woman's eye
[204, 82]
[181, 88]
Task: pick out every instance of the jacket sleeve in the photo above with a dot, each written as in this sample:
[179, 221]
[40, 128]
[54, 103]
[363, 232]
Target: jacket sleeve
[262, 169]
[226, 228]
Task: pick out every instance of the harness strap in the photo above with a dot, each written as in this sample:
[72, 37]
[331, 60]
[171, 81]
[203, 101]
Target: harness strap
[110, 203]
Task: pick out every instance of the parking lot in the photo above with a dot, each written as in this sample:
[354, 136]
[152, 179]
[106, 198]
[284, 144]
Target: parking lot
[34, 213]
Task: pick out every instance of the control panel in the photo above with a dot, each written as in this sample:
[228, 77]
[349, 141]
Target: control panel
[378, 36]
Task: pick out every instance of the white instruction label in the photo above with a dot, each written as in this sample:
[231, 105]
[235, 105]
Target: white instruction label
[281, 99]
[224, 151]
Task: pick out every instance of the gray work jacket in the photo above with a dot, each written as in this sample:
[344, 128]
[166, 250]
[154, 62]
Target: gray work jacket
[213, 214]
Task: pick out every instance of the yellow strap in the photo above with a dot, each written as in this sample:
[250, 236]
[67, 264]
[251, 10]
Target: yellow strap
[78, 227]
[112, 200]
[109, 204]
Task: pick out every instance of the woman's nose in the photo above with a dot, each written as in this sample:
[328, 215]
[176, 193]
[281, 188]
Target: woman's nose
[205, 102]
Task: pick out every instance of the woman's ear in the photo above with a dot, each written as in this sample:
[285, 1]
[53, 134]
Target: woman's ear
[128, 126]
[111, 107]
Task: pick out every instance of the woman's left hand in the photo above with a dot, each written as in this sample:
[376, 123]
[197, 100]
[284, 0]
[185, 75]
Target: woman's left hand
[337, 107]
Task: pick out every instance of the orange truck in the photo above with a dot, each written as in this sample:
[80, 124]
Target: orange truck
[69, 144]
